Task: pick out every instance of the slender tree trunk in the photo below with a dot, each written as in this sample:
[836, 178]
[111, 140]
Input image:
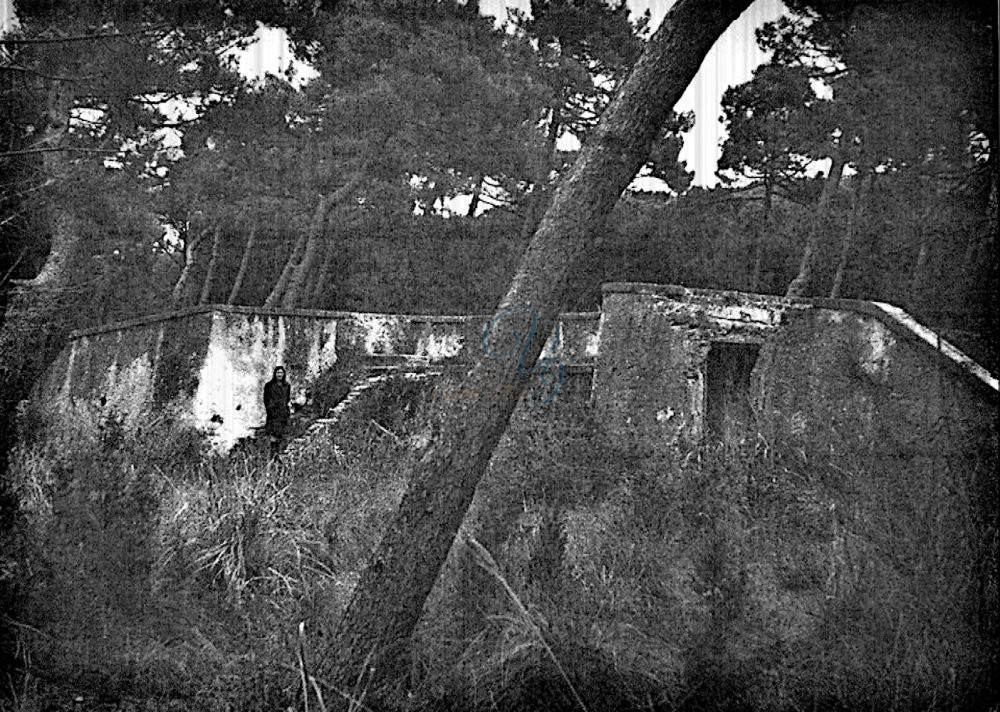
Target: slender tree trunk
[274, 298]
[213, 263]
[474, 203]
[241, 273]
[858, 199]
[182, 292]
[297, 283]
[761, 233]
[533, 209]
[326, 271]
[373, 634]
[800, 286]
[290, 299]
[318, 282]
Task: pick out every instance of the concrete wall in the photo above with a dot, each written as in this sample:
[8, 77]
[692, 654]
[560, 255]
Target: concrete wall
[826, 368]
[649, 387]
[211, 363]
[847, 368]
[850, 378]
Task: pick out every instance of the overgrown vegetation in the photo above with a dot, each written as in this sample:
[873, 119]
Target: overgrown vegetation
[758, 574]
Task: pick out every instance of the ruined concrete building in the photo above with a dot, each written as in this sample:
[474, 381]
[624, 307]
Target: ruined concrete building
[660, 366]
[787, 475]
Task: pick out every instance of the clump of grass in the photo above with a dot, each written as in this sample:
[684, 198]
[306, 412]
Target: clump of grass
[240, 535]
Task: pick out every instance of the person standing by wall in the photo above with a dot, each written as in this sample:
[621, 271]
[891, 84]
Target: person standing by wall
[277, 405]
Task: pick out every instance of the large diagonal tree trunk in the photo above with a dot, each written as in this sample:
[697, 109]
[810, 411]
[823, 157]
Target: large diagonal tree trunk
[373, 634]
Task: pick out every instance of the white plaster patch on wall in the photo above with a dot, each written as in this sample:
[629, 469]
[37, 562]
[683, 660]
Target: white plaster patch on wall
[729, 314]
[214, 398]
[877, 344]
[322, 348]
[282, 338]
[379, 332]
[592, 343]
[241, 355]
[741, 313]
[438, 347]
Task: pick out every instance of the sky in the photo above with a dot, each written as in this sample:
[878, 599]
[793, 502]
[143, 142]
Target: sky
[730, 62]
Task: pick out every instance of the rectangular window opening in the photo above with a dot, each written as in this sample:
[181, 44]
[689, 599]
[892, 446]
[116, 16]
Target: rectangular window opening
[728, 409]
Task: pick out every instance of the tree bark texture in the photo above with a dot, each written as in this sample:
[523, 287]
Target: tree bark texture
[182, 291]
[289, 300]
[800, 286]
[213, 263]
[297, 285]
[333, 259]
[241, 273]
[760, 233]
[474, 203]
[858, 199]
[373, 634]
[275, 297]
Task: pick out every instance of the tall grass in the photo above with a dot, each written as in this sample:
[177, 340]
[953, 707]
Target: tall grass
[157, 569]
[760, 573]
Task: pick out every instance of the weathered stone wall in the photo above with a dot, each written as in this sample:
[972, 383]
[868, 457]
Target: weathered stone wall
[211, 363]
[836, 370]
[650, 387]
[826, 369]
[850, 379]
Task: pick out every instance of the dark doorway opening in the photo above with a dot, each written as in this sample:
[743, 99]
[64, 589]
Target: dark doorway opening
[728, 412]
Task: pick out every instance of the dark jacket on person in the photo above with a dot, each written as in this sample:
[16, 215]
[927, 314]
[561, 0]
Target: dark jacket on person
[277, 395]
